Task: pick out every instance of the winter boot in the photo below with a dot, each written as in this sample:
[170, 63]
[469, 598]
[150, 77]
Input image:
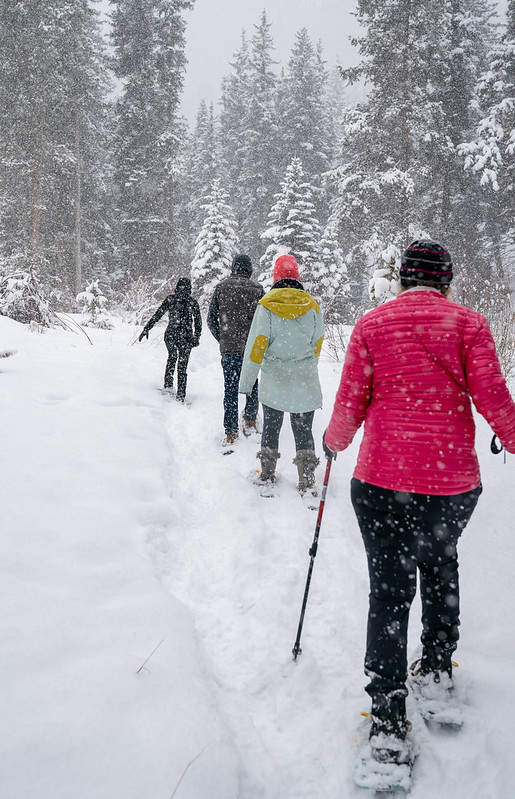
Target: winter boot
[268, 458]
[249, 427]
[436, 660]
[229, 439]
[430, 680]
[389, 727]
[306, 462]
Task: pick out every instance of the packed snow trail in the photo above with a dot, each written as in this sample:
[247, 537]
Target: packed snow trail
[241, 567]
[123, 526]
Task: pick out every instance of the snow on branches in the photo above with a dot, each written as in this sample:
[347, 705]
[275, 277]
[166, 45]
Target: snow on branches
[22, 296]
[216, 244]
[94, 305]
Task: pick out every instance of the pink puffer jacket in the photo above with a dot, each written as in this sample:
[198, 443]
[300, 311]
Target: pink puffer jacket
[411, 369]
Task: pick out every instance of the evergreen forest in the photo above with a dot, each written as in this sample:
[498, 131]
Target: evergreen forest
[104, 183]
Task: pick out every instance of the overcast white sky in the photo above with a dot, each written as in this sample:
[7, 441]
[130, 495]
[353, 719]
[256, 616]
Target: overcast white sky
[213, 35]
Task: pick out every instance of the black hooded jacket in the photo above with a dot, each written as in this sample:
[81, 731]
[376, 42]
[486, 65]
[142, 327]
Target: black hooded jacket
[184, 319]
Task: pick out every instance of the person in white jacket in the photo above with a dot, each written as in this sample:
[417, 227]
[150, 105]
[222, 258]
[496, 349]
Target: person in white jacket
[284, 344]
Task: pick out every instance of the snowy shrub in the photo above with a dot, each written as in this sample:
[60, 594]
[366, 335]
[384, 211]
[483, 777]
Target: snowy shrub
[136, 300]
[383, 283]
[22, 296]
[336, 340]
[494, 302]
[93, 304]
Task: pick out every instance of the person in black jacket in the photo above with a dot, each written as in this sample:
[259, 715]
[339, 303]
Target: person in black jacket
[181, 335]
[230, 315]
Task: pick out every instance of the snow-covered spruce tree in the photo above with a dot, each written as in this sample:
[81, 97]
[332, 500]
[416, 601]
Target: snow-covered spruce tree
[301, 115]
[216, 245]
[149, 42]
[93, 304]
[53, 131]
[260, 172]
[293, 227]
[459, 211]
[202, 166]
[330, 276]
[23, 296]
[490, 153]
[393, 141]
[384, 282]
[232, 127]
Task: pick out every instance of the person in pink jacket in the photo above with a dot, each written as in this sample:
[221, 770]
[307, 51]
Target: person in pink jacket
[413, 368]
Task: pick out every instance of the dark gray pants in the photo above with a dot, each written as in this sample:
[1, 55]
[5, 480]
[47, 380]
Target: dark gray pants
[405, 533]
[301, 424]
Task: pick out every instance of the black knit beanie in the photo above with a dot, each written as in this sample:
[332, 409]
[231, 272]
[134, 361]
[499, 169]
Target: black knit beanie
[425, 261]
[242, 263]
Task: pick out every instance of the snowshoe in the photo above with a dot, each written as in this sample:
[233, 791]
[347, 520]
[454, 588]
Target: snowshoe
[267, 488]
[384, 763]
[435, 697]
[311, 498]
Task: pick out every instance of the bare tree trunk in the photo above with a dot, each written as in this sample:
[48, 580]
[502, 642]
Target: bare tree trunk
[78, 249]
[36, 188]
[405, 139]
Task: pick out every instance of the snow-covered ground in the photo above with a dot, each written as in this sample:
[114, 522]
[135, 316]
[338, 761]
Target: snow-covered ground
[123, 529]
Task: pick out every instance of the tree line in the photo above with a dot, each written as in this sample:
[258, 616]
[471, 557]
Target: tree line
[102, 179]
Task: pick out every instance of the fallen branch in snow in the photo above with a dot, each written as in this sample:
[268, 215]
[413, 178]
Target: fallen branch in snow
[6, 353]
[146, 661]
[71, 322]
[186, 769]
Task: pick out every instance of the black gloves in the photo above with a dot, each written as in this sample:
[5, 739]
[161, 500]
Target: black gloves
[328, 452]
[143, 334]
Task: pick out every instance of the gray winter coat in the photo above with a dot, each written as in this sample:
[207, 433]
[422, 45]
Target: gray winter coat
[231, 311]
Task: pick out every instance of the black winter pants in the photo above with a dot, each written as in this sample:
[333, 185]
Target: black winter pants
[179, 351]
[405, 533]
[301, 424]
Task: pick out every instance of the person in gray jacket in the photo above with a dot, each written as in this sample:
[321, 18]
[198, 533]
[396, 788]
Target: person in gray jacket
[284, 344]
[230, 315]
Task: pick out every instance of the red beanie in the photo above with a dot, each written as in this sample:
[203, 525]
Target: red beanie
[286, 266]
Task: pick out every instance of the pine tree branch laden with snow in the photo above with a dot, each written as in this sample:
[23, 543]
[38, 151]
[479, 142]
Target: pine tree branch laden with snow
[384, 282]
[216, 245]
[22, 294]
[293, 227]
[94, 306]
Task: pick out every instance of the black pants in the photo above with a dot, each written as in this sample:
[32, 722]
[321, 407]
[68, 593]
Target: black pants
[179, 351]
[301, 424]
[405, 533]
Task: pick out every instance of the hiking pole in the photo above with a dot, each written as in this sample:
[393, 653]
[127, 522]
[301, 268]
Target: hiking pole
[313, 553]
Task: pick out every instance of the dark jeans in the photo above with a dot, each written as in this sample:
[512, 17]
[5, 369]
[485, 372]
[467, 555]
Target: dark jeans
[231, 365]
[405, 533]
[301, 424]
[178, 353]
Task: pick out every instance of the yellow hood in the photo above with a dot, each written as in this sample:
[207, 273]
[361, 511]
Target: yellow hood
[289, 303]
